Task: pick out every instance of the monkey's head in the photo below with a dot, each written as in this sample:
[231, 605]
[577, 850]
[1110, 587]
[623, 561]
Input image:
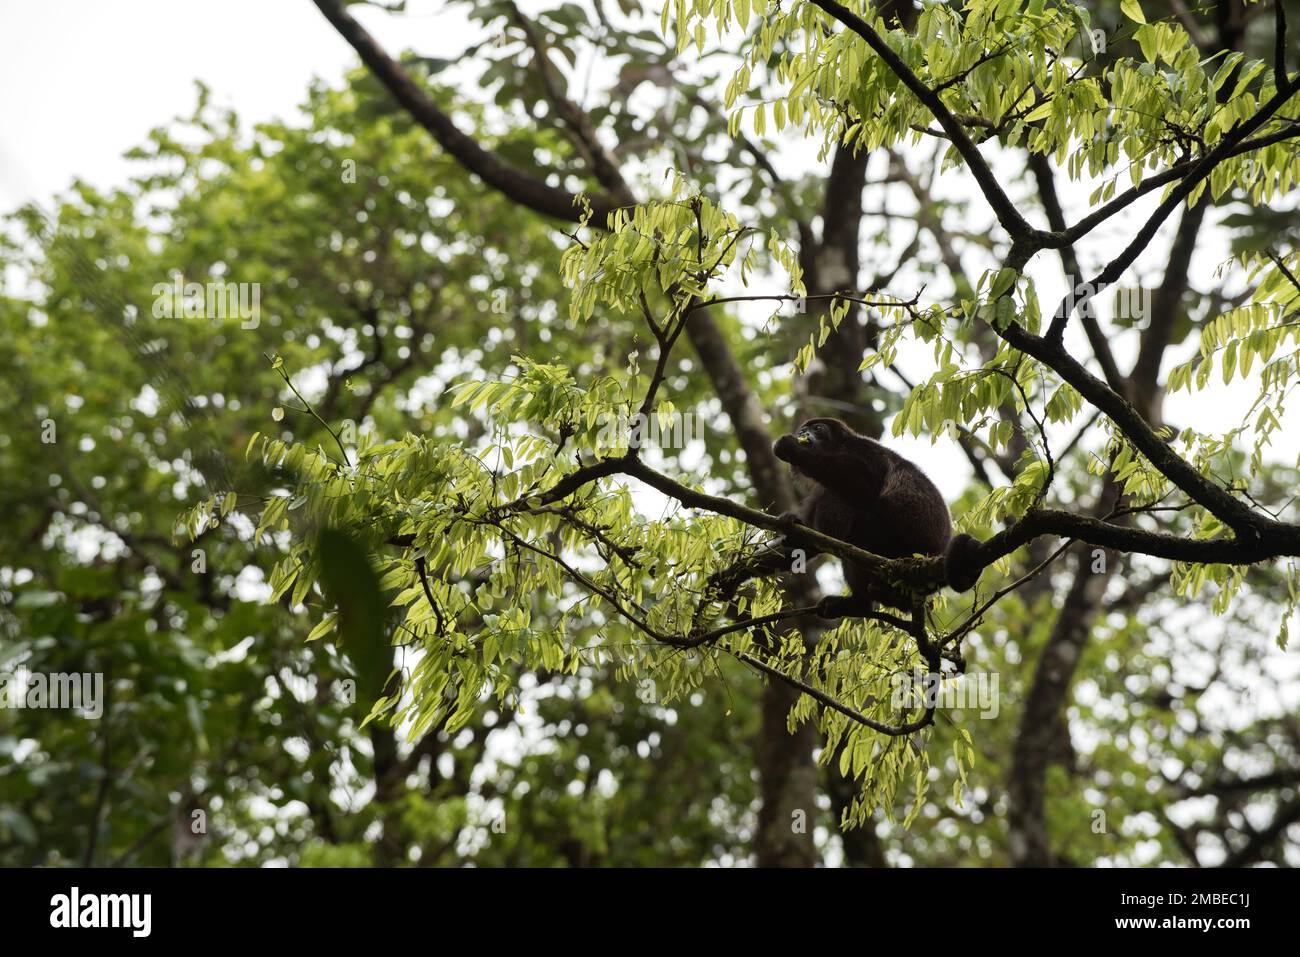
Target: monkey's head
[814, 438]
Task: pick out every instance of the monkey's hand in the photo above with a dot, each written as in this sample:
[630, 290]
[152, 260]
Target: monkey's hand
[789, 522]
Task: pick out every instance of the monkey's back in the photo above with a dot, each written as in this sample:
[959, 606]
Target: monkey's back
[907, 515]
[919, 514]
[866, 494]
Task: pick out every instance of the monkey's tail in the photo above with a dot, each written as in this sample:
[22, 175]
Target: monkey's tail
[960, 566]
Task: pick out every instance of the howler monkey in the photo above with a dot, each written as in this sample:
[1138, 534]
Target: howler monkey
[870, 496]
[865, 494]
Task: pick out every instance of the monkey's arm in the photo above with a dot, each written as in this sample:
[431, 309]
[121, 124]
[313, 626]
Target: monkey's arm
[856, 471]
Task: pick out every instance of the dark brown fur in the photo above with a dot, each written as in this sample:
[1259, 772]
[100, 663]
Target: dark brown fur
[863, 493]
[870, 496]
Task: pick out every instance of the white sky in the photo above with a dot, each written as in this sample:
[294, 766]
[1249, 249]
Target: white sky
[83, 81]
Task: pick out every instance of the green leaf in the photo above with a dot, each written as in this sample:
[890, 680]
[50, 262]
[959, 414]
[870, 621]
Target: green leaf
[351, 584]
[1002, 283]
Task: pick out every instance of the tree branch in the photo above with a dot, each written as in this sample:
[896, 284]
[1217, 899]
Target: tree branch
[1002, 207]
[1232, 511]
[1179, 170]
[1015, 224]
[926, 719]
[1200, 169]
[522, 187]
[602, 164]
[925, 574]
[1043, 175]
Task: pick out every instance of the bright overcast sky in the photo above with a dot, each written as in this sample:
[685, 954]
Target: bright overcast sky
[85, 80]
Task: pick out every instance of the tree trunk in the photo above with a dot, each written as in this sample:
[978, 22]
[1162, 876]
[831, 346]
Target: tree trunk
[787, 785]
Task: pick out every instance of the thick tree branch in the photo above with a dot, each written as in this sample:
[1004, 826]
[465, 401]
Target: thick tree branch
[1005, 210]
[1046, 180]
[523, 187]
[1229, 509]
[922, 574]
[602, 163]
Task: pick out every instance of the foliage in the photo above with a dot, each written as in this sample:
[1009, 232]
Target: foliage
[472, 399]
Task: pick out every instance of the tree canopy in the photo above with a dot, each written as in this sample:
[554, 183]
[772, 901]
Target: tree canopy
[412, 564]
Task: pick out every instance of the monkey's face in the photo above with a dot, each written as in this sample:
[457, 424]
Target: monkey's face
[821, 433]
[815, 437]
